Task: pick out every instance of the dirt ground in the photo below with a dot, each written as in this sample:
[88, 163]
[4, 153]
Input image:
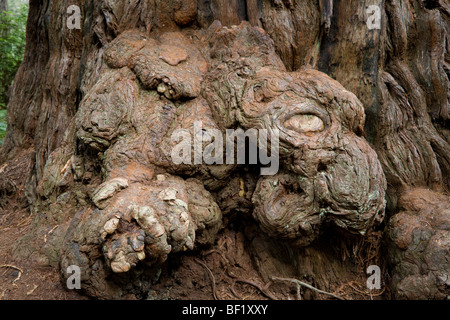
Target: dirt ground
[224, 272]
[21, 280]
[185, 277]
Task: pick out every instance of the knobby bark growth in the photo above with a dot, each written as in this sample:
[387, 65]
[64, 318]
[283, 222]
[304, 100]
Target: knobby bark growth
[92, 112]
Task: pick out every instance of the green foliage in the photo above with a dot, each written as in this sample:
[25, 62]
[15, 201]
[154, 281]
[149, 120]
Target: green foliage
[2, 125]
[12, 47]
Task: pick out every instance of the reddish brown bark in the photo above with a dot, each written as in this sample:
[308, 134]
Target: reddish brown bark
[399, 72]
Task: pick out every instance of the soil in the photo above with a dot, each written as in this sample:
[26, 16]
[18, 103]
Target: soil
[224, 272]
[190, 276]
[22, 280]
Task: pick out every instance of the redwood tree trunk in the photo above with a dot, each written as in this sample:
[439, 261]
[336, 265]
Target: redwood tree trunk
[399, 71]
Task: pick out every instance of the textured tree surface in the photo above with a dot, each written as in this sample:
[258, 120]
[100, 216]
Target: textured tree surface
[363, 122]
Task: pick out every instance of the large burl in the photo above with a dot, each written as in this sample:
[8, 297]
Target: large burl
[328, 171]
[227, 78]
[419, 246]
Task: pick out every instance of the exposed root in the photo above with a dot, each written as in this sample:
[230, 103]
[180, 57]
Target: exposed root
[13, 267]
[213, 280]
[300, 283]
[369, 247]
[264, 290]
[219, 253]
[354, 286]
[233, 291]
[24, 222]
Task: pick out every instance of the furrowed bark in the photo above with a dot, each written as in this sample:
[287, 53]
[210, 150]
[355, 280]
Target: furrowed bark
[399, 74]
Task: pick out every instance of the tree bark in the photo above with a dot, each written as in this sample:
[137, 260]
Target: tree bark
[3, 5]
[399, 72]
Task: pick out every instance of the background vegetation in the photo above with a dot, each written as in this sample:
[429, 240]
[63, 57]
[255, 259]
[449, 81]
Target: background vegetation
[2, 125]
[12, 47]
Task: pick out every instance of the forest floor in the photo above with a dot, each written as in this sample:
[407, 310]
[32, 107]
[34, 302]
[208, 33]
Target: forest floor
[23, 280]
[201, 277]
